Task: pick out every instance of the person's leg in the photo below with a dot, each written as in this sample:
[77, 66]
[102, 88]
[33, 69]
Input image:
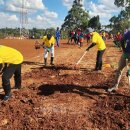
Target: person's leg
[7, 74]
[75, 40]
[45, 56]
[52, 55]
[99, 60]
[17, 77]
[57, 41]
[69, 40]
[121, 65]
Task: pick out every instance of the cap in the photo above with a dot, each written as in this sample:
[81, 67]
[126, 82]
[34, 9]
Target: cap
[90, 30]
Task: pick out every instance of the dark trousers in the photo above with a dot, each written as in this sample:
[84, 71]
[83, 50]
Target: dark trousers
[99, 60]
[8, 72]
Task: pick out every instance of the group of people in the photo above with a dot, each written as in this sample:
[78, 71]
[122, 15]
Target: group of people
[76, 36]
[11, 59]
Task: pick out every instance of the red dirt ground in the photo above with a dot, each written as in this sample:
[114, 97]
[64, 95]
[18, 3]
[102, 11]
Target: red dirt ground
[63, 97]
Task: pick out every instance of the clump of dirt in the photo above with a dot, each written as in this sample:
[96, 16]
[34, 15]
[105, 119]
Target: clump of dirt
[75, 101]
[112, 113]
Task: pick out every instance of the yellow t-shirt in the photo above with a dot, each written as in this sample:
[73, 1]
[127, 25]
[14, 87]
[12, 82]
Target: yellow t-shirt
[10, 55]
[47, 42]
[96, 38]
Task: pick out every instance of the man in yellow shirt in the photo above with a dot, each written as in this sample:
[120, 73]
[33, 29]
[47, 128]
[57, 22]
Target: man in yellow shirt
[97, 40]
[10, 63]
[48, 44]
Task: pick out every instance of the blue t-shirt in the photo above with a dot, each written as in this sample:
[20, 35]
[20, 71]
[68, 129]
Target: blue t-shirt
[127, 39]
[57, 34]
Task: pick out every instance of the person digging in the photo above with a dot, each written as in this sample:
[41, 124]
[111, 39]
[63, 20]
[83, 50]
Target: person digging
[10, 64]
[125, 45]
[97, 40]
[48, 45]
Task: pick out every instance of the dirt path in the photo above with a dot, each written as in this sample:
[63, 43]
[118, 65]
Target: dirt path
[62, 97]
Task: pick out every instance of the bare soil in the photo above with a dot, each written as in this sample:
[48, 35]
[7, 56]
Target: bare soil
[65, 97]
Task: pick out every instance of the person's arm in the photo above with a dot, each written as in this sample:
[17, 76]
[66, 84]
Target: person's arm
[92, 45]
[1, 68]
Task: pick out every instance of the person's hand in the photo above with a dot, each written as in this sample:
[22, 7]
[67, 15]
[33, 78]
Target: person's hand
[48, 50]
[37, 45]
[87, 49]
[1, 72]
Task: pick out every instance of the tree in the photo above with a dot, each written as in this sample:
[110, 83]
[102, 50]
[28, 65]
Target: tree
[95, 23]
[77, 17]
[122, 21]
[121, 3]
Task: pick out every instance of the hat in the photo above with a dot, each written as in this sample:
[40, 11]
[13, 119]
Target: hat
[90, 30]
[49, 36]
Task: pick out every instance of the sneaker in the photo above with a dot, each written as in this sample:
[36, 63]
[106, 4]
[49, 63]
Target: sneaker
[6, 97]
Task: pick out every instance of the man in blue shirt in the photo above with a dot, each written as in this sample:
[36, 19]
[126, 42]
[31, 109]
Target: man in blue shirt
[57, 36]
[125, 44]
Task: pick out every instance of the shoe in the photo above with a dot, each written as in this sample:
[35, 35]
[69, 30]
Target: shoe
[6, 97]
[52, 64]
[17, 87]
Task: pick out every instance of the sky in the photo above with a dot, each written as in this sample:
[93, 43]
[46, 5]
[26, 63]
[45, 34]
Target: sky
[50, 13]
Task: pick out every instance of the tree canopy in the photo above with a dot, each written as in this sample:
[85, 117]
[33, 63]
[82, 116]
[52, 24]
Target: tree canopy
[77, 17]
[95, 23]
[122, 21]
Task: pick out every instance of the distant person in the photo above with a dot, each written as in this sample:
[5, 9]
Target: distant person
[48, 45]
[111, 36]
[10, 64]
[117, 39]
[104, 36]
[57, 36]
[71, 36]
[88, 36]
[125, 44]
[76, 37]
[97, 40]
[81, 39]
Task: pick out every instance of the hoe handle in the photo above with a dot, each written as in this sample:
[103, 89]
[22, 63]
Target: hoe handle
[81, 58]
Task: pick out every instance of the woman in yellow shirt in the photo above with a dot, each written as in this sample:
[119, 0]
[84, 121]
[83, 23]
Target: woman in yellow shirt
[10, 63]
